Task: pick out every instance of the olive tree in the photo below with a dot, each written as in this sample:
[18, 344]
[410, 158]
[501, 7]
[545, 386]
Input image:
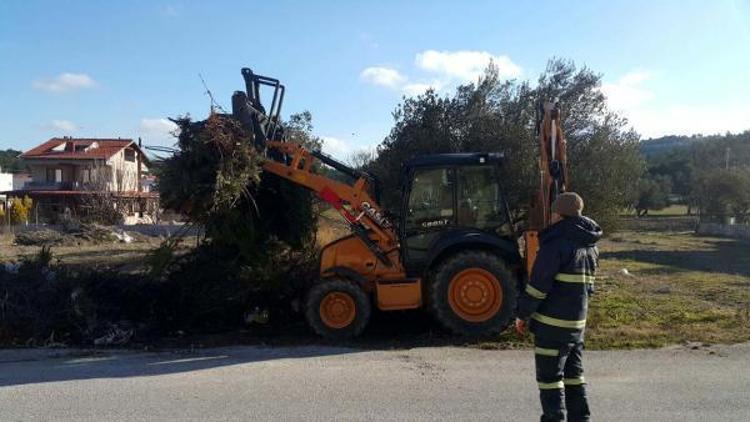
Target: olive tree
[496, 115]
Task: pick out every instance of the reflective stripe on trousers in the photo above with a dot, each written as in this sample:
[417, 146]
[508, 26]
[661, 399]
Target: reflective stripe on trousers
[575, 278]
[580, 380]
[561, 323]
[559, 367]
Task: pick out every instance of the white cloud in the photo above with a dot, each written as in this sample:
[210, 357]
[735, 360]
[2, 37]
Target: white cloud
[336, 147]
[383, 76]
[343, 150]
[63, 126]
[689, 120]
[65, 82]
[650, 118]
[465, 65]
[445, 69]
[628, 92]
[157, 131]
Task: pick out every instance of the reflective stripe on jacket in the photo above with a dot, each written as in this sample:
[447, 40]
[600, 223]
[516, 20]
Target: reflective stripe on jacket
[556, 297]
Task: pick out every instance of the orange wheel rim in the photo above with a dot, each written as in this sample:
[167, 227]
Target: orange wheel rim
[337, 310]
[475, 295]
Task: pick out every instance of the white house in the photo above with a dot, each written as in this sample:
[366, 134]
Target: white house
[6, 184]
[65, 170]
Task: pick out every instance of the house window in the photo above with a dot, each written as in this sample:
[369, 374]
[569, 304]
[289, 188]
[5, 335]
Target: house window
[80, 148]
[86, 176]
[54, 175]
[129, 155]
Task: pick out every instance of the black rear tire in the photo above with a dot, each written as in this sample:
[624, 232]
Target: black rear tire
[440, 292]
[338, 290]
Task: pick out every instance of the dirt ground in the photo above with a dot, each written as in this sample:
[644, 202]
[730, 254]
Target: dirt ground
[658, 284]
[113, 256]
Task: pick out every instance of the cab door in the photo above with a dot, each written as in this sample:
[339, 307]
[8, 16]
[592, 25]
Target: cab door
[429, 209]
[479, 202]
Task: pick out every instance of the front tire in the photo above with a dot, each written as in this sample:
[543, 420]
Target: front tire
[473, 294]
[337, 309]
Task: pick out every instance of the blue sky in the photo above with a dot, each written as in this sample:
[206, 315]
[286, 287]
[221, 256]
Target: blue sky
[104, 69]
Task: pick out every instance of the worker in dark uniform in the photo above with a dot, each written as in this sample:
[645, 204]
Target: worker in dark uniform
[554, 305]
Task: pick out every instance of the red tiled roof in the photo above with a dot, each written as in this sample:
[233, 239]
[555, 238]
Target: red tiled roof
[106, 149]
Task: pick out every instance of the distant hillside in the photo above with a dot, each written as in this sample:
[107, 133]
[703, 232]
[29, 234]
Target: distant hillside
[683, 159]
[9, 161]
[658, 146]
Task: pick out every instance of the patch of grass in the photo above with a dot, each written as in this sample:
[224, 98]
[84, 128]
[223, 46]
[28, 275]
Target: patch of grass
[681, 288]
[670, 211]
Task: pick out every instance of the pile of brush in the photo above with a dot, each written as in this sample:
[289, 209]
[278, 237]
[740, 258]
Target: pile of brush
[257, 257]
[259, 245]
[214, 170]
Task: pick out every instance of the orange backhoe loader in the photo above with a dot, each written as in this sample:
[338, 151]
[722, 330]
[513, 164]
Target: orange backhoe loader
[453, 247]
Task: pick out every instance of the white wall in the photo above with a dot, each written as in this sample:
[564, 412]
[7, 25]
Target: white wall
[20, 180]
[6, 182]
[124, 174]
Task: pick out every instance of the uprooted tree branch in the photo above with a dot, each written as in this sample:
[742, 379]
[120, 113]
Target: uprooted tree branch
[258, 253]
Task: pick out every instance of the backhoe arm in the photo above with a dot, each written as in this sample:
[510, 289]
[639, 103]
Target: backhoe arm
[293, 162]
[353, 202]
[553, 176]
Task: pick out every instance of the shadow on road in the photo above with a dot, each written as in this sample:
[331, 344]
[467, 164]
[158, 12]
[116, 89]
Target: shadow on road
[387, 331]
[27, 367]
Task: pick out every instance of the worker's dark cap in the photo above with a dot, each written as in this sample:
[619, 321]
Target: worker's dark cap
[568, 204]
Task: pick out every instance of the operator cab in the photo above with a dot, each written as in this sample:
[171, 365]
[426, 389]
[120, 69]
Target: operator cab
[451, 201]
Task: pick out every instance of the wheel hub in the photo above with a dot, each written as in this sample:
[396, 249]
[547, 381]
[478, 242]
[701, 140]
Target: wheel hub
[475, 295]
[337, 310]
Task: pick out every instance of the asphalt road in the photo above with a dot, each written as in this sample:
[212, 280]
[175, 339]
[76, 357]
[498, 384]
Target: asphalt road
[323, 383]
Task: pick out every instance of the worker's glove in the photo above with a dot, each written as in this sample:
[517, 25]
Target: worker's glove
[521, 327]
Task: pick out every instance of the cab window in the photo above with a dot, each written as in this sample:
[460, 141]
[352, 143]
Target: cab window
[479, 201]
[431, 199]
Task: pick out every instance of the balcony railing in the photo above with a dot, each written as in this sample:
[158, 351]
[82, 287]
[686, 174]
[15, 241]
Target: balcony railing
[54, 186]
